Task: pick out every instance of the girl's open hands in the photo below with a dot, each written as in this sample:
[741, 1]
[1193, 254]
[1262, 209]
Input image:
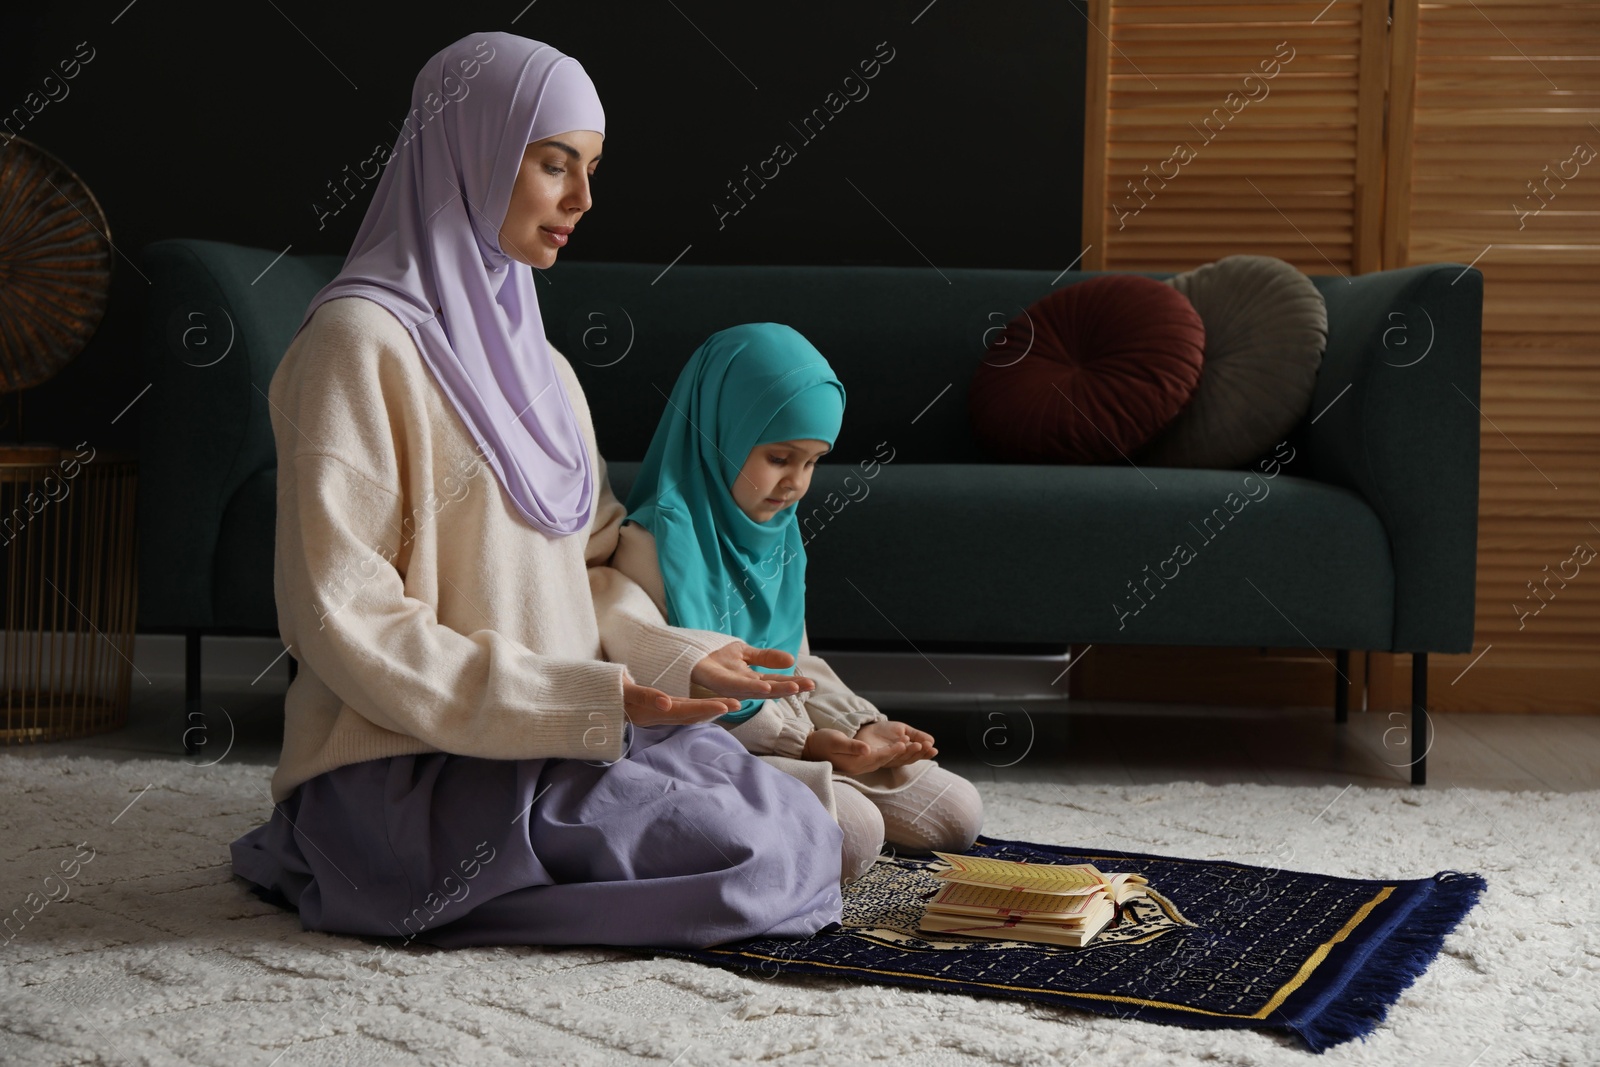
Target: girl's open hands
[900, 744]
[645, 706]
[848, 754]
[727, 673]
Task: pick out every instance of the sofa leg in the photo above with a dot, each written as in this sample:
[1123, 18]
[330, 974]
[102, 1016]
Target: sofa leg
[1419, 718]
[1341, 685]
[194, 727]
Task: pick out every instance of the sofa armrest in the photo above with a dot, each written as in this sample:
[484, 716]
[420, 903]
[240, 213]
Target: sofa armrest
[1395, 417]
[215, 329]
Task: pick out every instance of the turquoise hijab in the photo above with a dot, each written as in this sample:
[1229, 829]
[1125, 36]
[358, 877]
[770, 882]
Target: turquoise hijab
[745, 386]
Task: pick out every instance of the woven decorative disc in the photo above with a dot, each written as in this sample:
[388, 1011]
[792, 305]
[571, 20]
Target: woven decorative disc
[55, 265]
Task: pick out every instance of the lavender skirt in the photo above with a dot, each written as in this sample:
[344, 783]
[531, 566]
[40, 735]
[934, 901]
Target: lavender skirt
[686, 842]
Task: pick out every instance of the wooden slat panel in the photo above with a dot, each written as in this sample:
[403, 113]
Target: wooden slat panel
[1232, 38]
[1214, 86]
[1154, 66]
[1131, 15]
[1493, 11]
[1367, 251]
[1564, 681]
[1097, 93]
[1504, 91]
[1279, 167]
[1230, 676]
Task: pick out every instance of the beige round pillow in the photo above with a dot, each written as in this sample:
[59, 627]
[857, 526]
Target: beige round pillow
[1266, 328]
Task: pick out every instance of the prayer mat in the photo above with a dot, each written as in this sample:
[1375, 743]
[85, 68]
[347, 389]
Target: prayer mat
[1216, 945]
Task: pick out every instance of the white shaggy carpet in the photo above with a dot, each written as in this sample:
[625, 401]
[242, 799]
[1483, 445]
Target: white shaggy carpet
[155, 954]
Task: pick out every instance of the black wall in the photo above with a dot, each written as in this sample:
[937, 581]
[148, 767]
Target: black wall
[227, 121]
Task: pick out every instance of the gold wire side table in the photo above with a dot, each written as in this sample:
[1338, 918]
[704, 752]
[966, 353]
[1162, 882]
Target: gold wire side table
[69, 584]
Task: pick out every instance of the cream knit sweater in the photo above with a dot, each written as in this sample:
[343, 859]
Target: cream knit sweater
[425, 613]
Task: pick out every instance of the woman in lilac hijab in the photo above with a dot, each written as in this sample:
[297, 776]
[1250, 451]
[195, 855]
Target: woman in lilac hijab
[686, 839]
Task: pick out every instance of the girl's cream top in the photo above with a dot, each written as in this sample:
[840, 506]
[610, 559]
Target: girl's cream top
[425, 613]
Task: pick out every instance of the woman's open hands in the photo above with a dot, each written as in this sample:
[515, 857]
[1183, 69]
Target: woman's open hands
[727, 672]
[721, 681]
[645, 706]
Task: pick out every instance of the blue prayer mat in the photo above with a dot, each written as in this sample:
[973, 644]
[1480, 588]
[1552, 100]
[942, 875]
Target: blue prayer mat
[1217, 945]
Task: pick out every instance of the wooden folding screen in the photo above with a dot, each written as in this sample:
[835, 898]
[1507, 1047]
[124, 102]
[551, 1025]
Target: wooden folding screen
[1235, 128]
[1495, 161]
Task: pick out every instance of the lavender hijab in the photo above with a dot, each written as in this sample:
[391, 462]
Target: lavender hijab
[429, 251]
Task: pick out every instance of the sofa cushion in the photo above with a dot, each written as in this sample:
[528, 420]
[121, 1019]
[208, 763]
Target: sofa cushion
[1266, 327]
[1089, 373]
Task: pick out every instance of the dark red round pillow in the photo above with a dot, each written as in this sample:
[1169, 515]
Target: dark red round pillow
[1089, 373]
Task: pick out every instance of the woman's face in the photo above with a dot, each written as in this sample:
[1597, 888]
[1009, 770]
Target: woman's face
[550, 196]
[776, 475]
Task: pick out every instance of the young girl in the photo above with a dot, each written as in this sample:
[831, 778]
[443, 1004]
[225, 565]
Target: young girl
[712, 536]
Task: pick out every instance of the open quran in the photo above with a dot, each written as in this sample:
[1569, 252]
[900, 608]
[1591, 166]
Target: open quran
[1061, 904]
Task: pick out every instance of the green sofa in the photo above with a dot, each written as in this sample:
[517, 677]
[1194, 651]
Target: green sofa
[1364, 538]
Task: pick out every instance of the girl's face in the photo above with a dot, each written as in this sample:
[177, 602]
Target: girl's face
[775, 475]
[550, 195]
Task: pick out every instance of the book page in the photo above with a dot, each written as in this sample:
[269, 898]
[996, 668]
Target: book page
[991, 900]
[1051, 878]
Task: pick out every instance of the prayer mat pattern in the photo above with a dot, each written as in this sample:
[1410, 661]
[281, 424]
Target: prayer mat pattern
[1218, 945]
